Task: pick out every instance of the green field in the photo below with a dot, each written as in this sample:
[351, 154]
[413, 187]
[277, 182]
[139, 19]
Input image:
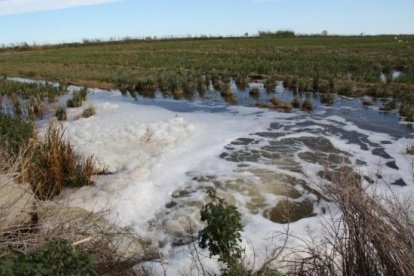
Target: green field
[349, 65]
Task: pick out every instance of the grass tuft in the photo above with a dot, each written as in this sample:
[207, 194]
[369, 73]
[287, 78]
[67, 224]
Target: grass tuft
[51, 164]
[89, 112]
[61, 113]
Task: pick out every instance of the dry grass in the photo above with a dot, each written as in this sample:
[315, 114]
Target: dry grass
[27, 223]
[373, 236]
[52, 164]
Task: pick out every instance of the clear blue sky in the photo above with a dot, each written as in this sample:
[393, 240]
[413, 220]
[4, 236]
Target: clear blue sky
[51, 21]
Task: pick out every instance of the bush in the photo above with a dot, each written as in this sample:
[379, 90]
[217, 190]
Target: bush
[52, 164]
[61, 113]
[56, 257]
[221, 236]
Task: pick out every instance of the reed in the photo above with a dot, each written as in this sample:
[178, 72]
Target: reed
[51, 164]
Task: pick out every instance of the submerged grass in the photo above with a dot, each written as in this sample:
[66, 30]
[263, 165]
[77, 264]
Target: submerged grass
[349, 65]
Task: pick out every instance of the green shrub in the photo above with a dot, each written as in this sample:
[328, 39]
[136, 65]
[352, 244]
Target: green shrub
[56, 257]
[221, 236]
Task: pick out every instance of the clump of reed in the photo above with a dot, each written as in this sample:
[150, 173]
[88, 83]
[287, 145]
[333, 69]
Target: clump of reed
[327, 98]
[36, 109]
[388, 106]
[241, 82]
[307, 105]
[50, 164]
[406, 111]
[296, 102]
[270, 84]
[410, 150]
[89, 112]
[276, 104]
[18, 110]
[202, 87]
[61, 113]
[254, 92]
[77, 98]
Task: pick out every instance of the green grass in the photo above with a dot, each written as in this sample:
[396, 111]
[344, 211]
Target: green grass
[14, 133]
[33, 91]
[351, 64]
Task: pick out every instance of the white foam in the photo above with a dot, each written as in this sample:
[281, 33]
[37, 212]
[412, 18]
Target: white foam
[152, 150]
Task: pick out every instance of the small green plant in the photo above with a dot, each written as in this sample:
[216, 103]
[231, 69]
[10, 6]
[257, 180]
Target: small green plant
[89, 112]
[221, 236]
[61, 113]
[56, 257]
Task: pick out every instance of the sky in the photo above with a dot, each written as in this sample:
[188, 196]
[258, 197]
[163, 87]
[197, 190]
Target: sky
[56, 21]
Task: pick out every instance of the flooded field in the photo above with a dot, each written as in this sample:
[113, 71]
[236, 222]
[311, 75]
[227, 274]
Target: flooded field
[163, 154]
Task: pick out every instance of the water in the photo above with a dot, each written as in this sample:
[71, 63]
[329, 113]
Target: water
[166, 153]
[283, 162]
[276, 173]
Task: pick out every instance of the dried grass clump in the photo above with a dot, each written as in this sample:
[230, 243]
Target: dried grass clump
[52, 164]
[373, 236]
